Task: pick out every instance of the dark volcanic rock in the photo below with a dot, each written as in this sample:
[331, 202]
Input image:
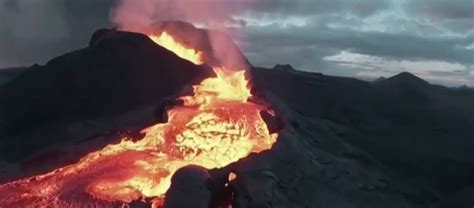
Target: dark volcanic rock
[189, 188]
[8, 74]
[421, 132]
[73, 95]
[119, 71]
[286, 67]
[404, 78]
[380, 79]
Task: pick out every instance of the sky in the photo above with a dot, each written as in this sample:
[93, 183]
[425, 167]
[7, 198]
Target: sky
[433, 39]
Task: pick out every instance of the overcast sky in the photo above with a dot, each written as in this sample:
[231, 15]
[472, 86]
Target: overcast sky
[433, 39]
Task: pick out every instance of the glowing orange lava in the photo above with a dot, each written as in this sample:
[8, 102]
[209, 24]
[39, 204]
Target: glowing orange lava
[215, 127]
[167, 41]
[232, 176]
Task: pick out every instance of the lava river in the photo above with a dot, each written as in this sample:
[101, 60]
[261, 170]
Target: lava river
[214, 127]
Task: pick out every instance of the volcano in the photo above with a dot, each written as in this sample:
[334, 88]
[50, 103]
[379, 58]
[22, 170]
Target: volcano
[160, 117]
[213, 127]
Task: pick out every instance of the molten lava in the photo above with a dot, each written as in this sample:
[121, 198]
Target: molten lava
[213, 128]
[167, 41]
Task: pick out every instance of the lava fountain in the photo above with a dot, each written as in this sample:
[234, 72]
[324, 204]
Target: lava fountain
[214, 127]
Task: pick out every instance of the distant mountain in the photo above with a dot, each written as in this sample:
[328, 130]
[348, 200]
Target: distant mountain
[464, 87]
[380, 79]
[283, 67]
[404, 79]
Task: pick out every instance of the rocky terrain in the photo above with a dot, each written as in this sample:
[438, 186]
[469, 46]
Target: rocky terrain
[397, 142]
[400, 142]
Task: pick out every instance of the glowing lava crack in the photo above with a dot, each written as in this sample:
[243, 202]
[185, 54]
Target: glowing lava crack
[215, 127]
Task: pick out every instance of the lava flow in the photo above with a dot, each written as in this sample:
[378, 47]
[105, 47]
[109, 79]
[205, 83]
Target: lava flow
[168, 42]
[214, 127]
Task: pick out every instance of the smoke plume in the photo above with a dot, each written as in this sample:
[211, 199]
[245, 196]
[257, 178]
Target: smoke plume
[217, 16]
[131, 14]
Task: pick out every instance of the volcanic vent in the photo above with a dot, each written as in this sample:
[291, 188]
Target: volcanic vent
[215, 125]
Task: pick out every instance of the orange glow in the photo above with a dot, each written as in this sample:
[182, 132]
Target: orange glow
[215, 127]
[232, 176]
[167, 41]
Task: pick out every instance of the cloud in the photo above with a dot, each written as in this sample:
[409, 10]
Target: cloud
[360, 8]
[389, 33]
[397, 46]
[400, 46]
[456, 15]
[35, 31]
[442, 9]
[27, 24]
[134, 14]
[372, 67]
[432, 34]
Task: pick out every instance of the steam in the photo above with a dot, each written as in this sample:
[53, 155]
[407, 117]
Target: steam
[139, 15]
[133, 14]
